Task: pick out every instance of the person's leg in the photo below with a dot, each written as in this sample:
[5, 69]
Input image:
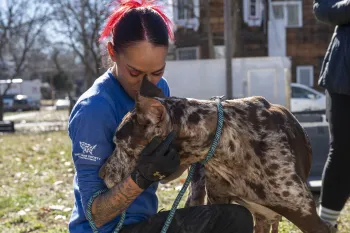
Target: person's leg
[336, 179]
[199, 219]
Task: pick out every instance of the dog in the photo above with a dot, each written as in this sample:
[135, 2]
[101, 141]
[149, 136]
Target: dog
[262, 160]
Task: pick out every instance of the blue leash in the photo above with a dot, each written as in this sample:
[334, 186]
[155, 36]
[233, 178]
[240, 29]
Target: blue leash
[193, 166]
[167, 223]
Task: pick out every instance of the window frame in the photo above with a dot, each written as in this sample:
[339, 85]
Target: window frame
[257, 10]
[311, 77]
[284, 4]
[187, 48]
[195, 4]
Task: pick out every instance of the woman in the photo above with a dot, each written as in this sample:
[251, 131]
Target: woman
[335, 78]
[140, 35]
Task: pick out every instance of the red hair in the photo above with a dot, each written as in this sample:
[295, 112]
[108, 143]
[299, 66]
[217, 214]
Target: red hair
[127, 5]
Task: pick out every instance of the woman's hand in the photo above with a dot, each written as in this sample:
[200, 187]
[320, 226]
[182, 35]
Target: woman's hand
[158, 160]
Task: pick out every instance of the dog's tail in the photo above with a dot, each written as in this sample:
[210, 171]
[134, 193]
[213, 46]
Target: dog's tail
[303, 149]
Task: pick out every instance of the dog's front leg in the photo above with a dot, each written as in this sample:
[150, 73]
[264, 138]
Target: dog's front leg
[274, 226]
[197, 192]
[261, 225]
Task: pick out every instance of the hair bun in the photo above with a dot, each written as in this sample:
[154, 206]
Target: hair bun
[123, 6]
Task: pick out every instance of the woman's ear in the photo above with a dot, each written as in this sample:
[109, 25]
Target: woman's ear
[111, 51]
[149, 110]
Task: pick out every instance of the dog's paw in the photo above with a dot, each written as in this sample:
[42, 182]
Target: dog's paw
[332, 228]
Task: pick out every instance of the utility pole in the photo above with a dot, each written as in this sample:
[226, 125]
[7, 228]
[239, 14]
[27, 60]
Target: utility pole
[228, 47]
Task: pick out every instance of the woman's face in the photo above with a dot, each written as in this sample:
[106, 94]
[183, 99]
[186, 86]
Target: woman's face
[136, 61]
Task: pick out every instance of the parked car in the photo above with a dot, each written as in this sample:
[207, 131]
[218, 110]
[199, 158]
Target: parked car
[305, 98]
[62, 104]
[16, 102]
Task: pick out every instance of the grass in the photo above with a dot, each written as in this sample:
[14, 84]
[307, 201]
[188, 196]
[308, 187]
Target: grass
[36, 185]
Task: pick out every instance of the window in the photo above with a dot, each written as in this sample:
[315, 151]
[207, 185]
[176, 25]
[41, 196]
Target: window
[301, 93]
[254, 9]
[290, 12]
[187, 13]
[219, 51]
[189, 53]
[305, 75]
[185, 9]
[278, 11]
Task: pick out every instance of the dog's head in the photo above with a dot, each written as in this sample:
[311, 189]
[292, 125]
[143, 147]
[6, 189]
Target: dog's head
[149, 118]
[155, 115]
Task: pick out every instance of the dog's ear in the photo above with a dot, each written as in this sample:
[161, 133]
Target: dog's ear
[149, 110]
[148, 89]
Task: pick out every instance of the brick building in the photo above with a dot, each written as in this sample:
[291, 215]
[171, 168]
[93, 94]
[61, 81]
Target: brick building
[264, 28]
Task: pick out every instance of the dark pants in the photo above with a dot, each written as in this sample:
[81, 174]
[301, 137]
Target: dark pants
[336, 177]
[199, 219]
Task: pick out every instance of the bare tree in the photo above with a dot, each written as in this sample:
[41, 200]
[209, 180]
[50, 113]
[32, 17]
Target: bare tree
[21, 24]
[80, 22]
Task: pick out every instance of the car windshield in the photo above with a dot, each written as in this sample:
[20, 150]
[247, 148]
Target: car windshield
[298, 92]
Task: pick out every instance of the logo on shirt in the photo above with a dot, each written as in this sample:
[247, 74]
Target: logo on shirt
[87, 152]
[87, 148]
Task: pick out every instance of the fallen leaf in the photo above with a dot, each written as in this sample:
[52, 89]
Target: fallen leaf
[58, 183]
[21, 213]
[35, 148]
[57, 207]
[45, 209]
[182, 181]
[60, 217]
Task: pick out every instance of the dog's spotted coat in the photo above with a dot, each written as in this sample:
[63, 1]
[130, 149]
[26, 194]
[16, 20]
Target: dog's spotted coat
[262, 160]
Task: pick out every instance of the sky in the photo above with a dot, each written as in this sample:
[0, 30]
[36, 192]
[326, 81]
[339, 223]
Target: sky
[2, 3]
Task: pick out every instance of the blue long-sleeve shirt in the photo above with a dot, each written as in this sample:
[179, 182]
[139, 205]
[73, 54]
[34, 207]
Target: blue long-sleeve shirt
[92, 125]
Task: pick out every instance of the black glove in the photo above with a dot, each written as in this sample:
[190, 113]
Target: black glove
[157, 161]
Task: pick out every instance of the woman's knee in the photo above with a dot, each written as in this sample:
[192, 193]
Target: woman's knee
[238, 210]
[238, 215]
